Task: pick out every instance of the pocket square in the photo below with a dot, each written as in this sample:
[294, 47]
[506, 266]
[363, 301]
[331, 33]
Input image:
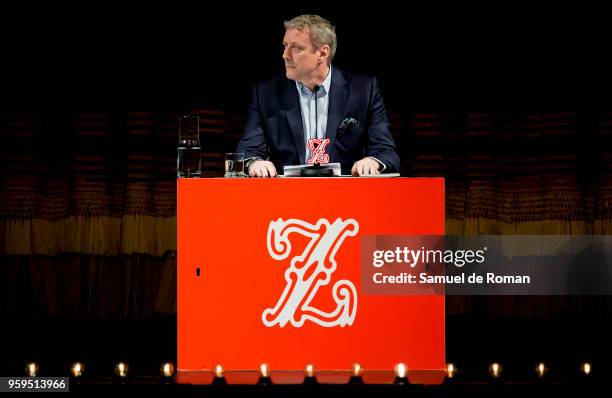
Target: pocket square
[348, 123]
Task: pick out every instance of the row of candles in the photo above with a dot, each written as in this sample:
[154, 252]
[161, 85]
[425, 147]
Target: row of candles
[167, 370]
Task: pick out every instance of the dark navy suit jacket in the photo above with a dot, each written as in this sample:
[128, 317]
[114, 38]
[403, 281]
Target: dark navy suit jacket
[274, 130]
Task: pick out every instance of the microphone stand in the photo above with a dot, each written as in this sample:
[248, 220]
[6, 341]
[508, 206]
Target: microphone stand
[316, 170]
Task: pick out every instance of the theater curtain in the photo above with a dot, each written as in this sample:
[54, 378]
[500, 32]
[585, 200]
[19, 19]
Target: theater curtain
[88, 199]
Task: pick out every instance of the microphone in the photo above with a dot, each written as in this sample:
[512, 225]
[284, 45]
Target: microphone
[316, 170]
[316, 90]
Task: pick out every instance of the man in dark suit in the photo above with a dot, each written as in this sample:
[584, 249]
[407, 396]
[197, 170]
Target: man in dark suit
[315, 100]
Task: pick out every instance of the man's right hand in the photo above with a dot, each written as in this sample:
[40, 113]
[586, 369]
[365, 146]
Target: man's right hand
[262, 168]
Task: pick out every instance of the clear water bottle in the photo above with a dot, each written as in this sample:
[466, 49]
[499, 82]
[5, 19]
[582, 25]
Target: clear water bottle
[188, 161]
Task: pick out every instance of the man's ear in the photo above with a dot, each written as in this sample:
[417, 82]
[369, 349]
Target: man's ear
[324, 49]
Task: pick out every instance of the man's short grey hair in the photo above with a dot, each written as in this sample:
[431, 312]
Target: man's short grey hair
[321, 31]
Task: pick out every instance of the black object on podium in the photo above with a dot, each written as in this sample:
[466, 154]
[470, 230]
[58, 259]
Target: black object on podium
[317, 170]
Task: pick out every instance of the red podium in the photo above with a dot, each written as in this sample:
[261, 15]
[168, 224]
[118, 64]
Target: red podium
[269, 272]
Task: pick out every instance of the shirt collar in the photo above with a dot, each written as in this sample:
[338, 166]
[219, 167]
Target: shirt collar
[323, 88]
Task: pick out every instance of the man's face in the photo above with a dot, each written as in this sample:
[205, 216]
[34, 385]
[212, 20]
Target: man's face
[300, 56]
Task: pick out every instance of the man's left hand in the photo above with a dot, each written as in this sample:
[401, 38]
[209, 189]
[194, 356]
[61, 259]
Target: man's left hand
[365, 166]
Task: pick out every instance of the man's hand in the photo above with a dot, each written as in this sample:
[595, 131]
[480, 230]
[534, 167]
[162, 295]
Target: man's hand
[262, 168]
[365, 166]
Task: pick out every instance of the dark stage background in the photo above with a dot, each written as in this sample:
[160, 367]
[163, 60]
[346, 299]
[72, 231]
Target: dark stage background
[512, 107]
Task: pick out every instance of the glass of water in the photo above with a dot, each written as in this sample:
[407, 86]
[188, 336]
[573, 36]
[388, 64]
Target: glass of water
[234, 165]
[188, 161]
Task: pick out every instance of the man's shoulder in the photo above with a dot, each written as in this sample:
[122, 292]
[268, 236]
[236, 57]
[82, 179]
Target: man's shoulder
[280, 82]
[354, 79]
[273, 83]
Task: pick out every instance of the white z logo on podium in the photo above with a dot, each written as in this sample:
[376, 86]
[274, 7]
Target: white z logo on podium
[309, 271]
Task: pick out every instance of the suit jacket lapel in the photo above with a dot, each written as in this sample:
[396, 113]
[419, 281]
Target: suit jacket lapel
[293, 114]
[337, 104]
